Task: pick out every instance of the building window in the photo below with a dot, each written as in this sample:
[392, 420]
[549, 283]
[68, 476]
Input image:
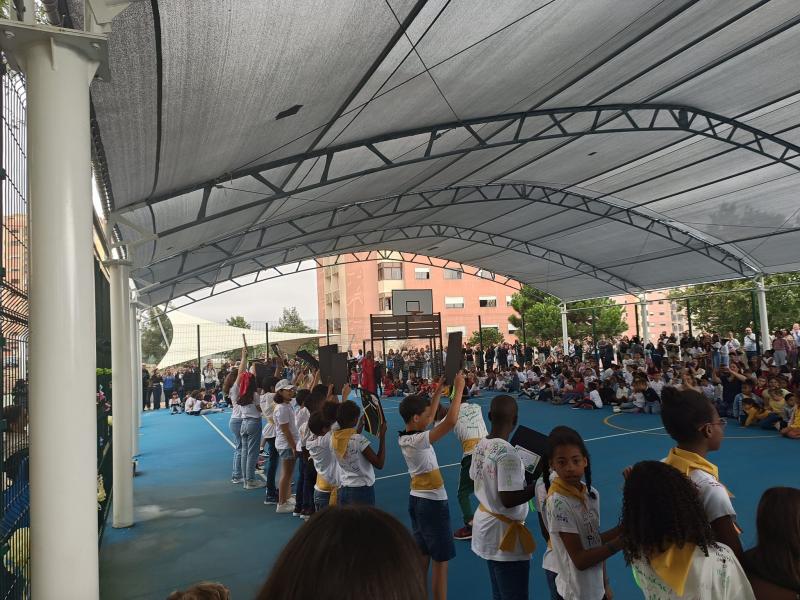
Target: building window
[390, 271]
[485, 274]
[508, 300]
[455, 328]
[422, 273]
[488, 301]
[453, 302]
[511, 328]
[453, 274]
[495, 327]
[384, 302]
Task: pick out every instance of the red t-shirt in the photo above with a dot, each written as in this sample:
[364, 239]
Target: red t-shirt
[368, 375]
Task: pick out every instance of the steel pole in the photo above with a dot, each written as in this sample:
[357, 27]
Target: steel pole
[689, 315]
[564, 329]
[594, 337]
[763, 319]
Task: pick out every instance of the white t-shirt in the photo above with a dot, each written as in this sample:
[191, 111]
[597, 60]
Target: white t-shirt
[321, 452]
[595, 398]
[421, 458]
[718, 576]
[496, 467]
[189, 406]
[549, 562]
[301, 420]
[656, 385]
[236, 411]
[284, 415]
[247, 412]
[570, 515]
[267, 403]
[470, 423]
[356, 471]
[714, 496]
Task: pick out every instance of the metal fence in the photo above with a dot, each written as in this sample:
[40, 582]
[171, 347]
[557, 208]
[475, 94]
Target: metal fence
[15, 505]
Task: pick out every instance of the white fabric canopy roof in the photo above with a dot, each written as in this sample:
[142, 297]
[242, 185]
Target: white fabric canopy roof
[218, 339]
[585, 148]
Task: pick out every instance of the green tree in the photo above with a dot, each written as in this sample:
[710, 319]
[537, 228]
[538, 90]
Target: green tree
[237, 322]
[732, 310]
[153, 346]
[290, 321]
[490, 336]
[543, 316]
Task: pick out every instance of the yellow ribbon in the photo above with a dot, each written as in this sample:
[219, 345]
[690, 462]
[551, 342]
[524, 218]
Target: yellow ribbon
[469, 445]
[339, 439]
[686, 462]
[557, 486]
[427, 481]
[673, 566]
[324, 486]
[517, 532]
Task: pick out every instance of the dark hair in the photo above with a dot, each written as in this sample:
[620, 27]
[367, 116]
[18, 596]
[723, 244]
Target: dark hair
[230, 380]
[684, 412]
[566, 436]
[661, 507]
[204, 590]
[329, 410]
[778, 523]
[302, 396]
[347, 414]
[317, 422]
[413, 405]
[338, 542]
[748, 383]
[320, 388]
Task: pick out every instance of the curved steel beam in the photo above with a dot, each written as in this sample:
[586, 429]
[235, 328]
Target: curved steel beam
[346, 259]
[517, 129]
[350, 242]
[461, 196]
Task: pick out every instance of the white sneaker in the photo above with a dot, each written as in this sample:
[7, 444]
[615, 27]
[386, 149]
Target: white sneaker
[237, 480]
[286, 507]
[255, 484]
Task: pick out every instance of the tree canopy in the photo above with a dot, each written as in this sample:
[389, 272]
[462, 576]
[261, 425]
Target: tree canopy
[734, 310]
[491, 336]
[237, 321]
[153, 345]
[290, 321]
[543, 316]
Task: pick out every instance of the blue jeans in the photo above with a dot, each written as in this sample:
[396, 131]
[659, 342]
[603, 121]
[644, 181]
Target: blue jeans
[251, 436]
[769, 421]
[272, 468]
[357, 495]
[652, 408]
[509, 579]
[321, 499]
[715, 360]
[551, 584]
[236, 429]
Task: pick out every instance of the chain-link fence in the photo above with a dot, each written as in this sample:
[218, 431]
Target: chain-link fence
[15, 505]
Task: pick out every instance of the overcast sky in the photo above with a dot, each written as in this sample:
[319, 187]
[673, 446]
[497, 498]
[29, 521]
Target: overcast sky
[263, 301]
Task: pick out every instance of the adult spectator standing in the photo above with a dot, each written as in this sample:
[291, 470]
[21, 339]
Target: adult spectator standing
[490, 357]
[528, 352]
[169, 387]
[145, 388]
[750, 343]
[368, 380]
[210, 379]
[156, 386]
[780, 349]
[191, 377]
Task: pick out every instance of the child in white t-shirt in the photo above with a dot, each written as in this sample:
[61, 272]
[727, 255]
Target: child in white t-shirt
[573, 520]
[427, 505]
[318, 445]
[357, 460]
[669, 543]
[499, 535]
[286, 437]
[470, 429]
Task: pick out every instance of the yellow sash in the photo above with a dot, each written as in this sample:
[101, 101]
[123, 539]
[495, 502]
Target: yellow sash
[686, 461]
[517, 532]
[324, 486]
[427, 481]
[557, 486]
[339, 439]
[469, 445]
[673, 566]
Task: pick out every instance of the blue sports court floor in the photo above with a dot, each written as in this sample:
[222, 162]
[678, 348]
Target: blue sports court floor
[193, 524]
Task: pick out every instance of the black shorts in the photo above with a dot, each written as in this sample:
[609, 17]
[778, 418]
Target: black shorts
[430, 523]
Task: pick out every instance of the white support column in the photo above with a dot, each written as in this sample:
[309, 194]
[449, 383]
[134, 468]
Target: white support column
[643, 311]
[121, 402]
[564, 330]
[136, 379]
[140, 387]
[63, 437]
[763, 318]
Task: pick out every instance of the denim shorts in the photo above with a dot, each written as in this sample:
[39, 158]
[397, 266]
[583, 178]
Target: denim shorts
[286, 454]
[357, 495]
[430, 522]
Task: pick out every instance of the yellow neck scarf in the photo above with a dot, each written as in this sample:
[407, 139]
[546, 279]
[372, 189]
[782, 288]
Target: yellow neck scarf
[517, 532]
[686, 461]
[469, 444]
[673, 566]
[557, 486]
[427, 481]
[339, 439]
[324, 486]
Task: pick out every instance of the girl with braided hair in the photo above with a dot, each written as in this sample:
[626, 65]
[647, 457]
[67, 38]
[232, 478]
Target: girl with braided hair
[669, 541]
[573, 520]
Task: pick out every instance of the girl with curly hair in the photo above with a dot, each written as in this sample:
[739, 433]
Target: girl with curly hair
[669, 542]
